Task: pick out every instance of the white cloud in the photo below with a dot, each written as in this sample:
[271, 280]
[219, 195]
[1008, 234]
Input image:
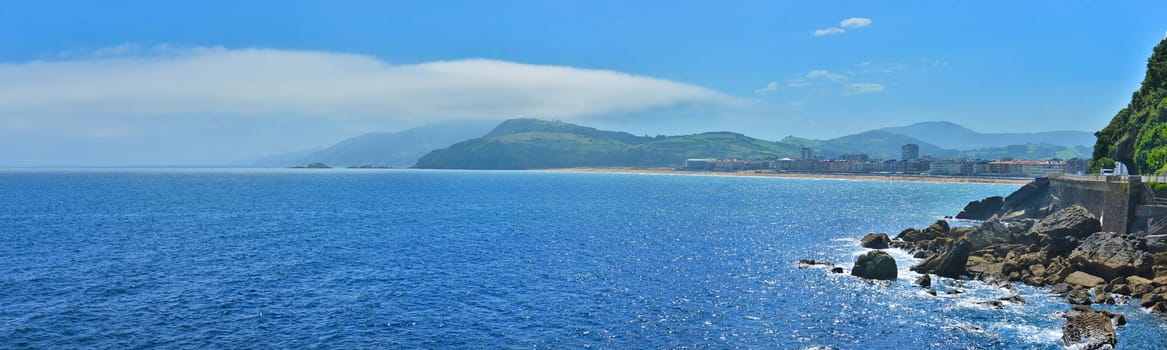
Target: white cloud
[850, 23]
[863, 88]
[772, 86]
[855, 22]
[819, 73]
[128, 81]
[828, 31]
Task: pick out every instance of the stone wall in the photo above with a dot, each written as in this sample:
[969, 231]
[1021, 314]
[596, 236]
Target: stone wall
[1113, 199]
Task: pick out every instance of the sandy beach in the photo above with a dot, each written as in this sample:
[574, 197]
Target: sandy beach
[755, 173]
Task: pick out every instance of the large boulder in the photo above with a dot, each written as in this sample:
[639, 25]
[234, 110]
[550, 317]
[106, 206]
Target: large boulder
[1109, 255]
[1078, 297]
[992, 232]
[1152, 298]
[933, 240]
[982, 209]
[875, 241]
[1083, 280]
[1029, 201]
[950, 264]
[1073, 221]
[1139, 286]
[912, 235]
[1086, 328]
[1156, 243]
[875, 264]
[939, 228]
[1054, 246]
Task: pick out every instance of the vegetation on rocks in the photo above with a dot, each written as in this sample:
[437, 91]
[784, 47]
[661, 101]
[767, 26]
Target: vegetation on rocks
[1137, 135]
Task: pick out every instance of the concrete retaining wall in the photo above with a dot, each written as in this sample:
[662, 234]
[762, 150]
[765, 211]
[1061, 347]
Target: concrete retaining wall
[1113, 199]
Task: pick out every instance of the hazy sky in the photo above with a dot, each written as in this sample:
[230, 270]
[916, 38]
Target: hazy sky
[208, 82]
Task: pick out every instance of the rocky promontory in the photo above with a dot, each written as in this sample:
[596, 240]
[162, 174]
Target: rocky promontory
[1034, 238]
[1030, 240]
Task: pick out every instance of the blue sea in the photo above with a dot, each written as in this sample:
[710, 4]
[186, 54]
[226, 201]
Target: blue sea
[241, 258]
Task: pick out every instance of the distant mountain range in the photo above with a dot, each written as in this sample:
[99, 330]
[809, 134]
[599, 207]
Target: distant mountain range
[533, 143]
[397, 150]
[952, 136]
[539, 144]
[886, 143]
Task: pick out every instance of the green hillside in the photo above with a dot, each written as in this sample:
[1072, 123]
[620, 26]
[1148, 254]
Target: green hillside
[539, 144]
[1137, 136]
[1033, 151]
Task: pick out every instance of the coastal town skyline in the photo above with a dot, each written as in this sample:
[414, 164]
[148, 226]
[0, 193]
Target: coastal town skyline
[170, 83]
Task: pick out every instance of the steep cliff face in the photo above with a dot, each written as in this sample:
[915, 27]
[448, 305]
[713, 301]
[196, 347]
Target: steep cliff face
[1137, 136]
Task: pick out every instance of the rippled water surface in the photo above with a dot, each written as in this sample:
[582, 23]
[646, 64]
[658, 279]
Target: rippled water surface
[430, 259]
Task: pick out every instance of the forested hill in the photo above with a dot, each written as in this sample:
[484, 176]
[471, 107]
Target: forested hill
[540, 144]
[1137, 136]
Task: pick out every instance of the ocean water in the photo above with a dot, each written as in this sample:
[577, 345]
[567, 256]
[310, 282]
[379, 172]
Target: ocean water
[176, 258]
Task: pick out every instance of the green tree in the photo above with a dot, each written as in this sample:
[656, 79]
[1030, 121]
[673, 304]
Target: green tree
[1137, 135]
[1097, 165]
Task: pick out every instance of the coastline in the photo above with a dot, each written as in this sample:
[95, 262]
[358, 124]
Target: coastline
[752, 173]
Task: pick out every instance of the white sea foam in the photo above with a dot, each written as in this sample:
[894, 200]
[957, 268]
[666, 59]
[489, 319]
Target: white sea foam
[1029, 333]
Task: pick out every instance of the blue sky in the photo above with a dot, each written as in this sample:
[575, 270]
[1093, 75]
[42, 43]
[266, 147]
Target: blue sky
[156, 82]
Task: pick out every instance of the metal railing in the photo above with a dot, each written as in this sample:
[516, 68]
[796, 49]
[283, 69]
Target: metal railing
[1154, 178]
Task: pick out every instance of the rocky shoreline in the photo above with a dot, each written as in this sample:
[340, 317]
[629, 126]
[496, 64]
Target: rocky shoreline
[1027, 238]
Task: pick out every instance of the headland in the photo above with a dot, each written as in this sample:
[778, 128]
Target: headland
[1091, 240]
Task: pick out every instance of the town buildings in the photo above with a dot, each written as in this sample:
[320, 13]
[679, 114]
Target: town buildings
[911, 163]
[910, 151]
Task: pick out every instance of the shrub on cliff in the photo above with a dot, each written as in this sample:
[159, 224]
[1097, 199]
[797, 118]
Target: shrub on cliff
[1137, 136]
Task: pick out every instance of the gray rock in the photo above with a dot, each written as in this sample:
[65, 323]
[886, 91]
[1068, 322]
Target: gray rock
[1059, 289]
[992, 304]
[1027, 201]
[875, 264]
[1078, 297]
[995, 279]
[1109, 255]
[1016, 299]
[1088, 329]
[982, 209]
[1158, 308]
[924, 281]
[1073, 221]
[940, 228]
[1053, 246]
[875, 241]
[804, 263]
[988, 233]
[950, 264]
[912, 235]
[1156, 243]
